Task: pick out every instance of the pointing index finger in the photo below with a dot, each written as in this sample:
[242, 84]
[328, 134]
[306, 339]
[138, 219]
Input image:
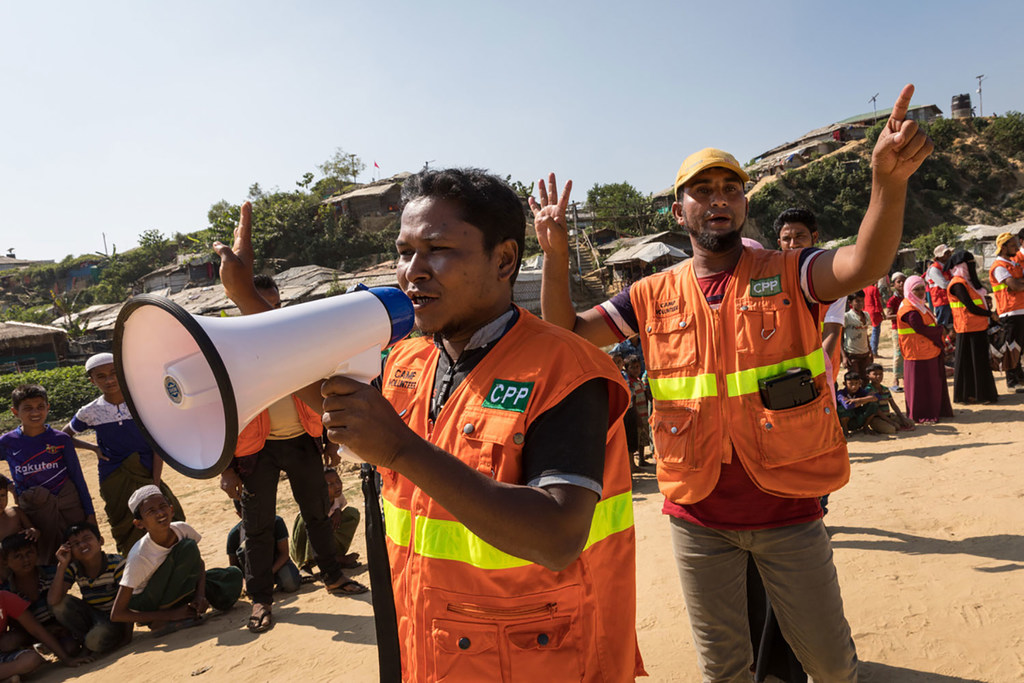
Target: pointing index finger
[243, 234]
[899, 110]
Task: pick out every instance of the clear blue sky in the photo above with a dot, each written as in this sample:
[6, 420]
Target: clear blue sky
[118, 117]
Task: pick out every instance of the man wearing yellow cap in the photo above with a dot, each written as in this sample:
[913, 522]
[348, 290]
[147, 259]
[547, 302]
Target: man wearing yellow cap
[744, 424]
[1006, 276]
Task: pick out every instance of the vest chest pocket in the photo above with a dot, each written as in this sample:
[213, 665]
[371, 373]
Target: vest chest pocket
[761, 328]
[673, 431]
[491, 441]
[672, 342]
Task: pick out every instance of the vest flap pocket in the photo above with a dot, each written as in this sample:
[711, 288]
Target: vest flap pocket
[758, 323]
[459, 637]
[795, 434]
[491, 425]
[548, 634]
[463, 651]
[673, 430]
[672, 342]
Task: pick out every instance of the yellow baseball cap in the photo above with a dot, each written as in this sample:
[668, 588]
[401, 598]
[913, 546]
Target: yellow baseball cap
[1003, 238]
[709, 157]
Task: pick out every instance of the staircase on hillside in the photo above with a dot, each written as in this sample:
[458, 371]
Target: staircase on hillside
[587, 275]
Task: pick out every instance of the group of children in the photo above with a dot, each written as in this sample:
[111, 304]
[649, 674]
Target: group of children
[866, 404]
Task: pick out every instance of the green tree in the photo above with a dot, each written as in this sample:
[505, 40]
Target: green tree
[620, 206]
[340, 171]
[1007, 133]
[944, 233]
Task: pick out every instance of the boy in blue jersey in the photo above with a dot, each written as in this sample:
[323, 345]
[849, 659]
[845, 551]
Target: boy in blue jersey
[47, 476]
[126, 460]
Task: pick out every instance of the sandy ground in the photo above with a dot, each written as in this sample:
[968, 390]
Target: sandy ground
[927, 543]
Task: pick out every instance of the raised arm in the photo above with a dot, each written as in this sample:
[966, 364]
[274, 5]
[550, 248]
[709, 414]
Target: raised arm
[555, 300]
[236, 267]
[900, 150]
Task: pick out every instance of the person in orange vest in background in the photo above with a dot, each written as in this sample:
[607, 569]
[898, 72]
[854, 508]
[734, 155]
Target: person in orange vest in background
[1019, 256]
[924, 368]
[283, 438]
[506, 491]
[1007, 280]
[972, 372]
[798, 229]
[937, 276]
[745, 429]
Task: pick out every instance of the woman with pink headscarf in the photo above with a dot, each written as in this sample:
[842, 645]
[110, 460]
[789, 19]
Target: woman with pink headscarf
[924, 375]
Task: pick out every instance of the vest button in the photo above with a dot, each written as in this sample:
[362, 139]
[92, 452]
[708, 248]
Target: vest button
[542, 639]
[649, 328]
[828, 411]
[785, 302]
[674, 430]
[518, 438]
[743, 308]
[468, 429]
[767, 425]
[682, 323]
[464, 643]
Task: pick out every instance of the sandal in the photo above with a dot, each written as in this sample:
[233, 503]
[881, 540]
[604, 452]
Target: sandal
[347, 587]
[263, 622]
[350, 561]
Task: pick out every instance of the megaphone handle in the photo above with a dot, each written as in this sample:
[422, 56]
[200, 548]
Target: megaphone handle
[363, 367]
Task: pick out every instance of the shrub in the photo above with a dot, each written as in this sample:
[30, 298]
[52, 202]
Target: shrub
[69, 389]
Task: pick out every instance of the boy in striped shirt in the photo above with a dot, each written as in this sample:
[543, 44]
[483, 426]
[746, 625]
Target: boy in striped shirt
[81, 560]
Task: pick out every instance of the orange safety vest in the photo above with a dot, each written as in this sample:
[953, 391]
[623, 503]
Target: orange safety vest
[914, 346]
[938, 294]
[254, 435]
[703, 367]
[466, 610]
[964, 320]
[1006, 299]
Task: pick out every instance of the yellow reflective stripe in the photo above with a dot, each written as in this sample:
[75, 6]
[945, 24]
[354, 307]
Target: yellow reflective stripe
[444, 539]
[956, 303]
[397, 522]
[745, 381]
[676, 388]
[998, 287]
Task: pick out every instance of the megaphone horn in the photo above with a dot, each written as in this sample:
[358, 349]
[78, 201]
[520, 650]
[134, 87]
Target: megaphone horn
[193, 382]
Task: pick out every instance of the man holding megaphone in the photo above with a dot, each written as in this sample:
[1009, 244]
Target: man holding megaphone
[506, 487]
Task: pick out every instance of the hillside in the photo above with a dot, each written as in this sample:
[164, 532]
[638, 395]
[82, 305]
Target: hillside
[975, 175]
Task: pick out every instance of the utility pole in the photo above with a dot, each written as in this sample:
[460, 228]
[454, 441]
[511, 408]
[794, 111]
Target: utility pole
[874, 106]
[981, 109]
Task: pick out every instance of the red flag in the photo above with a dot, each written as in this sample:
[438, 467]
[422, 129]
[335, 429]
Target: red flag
[375, 165]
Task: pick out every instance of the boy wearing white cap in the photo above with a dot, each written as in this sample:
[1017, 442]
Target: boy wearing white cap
[126, 460]
[165, 582]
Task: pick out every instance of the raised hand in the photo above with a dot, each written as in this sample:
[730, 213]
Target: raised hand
[549, 217]
[901, 147]
[236, 265]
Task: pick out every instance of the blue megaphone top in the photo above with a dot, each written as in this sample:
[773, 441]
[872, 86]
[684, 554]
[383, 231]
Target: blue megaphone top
[399, 308]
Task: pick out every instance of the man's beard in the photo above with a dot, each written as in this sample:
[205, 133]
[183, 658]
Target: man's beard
[716, 242]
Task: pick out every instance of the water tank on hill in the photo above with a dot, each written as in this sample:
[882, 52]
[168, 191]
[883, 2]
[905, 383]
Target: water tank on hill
[962, 106]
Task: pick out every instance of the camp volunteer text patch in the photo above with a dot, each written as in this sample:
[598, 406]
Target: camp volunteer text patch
[508, 395]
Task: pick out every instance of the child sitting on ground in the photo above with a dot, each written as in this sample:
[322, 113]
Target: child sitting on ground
[15, 659]
[858, 409]
[12, 521]
[125, 460]
[165, 583]
[31, 582]
[344, 521]
[47, 476]
[81, 560]
[887, 407]
[286, 574]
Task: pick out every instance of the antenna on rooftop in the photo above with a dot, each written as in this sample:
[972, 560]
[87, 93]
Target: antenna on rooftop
[874, 105]
[426, 165]
[981, 109]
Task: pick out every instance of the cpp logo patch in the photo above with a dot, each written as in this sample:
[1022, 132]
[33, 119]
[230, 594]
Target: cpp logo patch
[769, 286]
[508, 395]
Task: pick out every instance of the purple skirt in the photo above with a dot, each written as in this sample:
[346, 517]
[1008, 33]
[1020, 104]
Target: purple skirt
[925, 389]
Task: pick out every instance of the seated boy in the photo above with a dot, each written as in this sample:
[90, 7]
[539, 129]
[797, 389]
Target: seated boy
[126, 460]
[286, 574]
[81, 560]
[165, 582]
[31, 582]
[858, 409]
[887, 408]
[16, 660]
[344, 521]
[47, 476]
[13, 519]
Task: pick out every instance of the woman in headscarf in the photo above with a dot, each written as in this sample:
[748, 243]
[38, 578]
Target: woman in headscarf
[924, 370]
[972, 374]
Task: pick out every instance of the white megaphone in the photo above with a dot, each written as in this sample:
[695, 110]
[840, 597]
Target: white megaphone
[192, 382]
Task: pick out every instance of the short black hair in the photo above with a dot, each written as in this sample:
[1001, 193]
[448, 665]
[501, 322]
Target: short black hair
[874, 366]
[14, 543]
[859, 294]
[263, 281]
[485, 201]
[28, 391]
[852, 375]
[79, 527]
[796, 215]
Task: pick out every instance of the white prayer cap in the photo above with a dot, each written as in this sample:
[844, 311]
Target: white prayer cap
[142, 494]
[98, 360]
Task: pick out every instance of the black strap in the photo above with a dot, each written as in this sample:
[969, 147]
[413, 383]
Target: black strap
[389, 654]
